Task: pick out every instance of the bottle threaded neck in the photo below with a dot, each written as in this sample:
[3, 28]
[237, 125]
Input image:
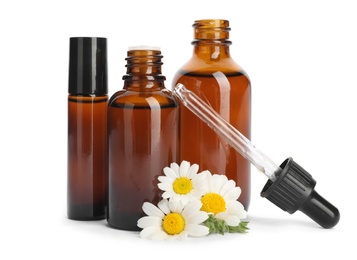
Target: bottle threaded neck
[213, 29]
[144, 64]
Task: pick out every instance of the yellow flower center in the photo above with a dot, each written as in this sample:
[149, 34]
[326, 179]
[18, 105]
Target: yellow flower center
[173, 223]
[182, 185]
[213, 202]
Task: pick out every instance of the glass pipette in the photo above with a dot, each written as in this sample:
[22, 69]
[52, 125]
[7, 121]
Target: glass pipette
[226, 131]
[289, 187]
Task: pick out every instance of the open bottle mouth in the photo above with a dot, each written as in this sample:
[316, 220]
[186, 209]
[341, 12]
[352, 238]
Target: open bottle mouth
[144, 55]
[289, 187]
[211, 29]
[144, 62]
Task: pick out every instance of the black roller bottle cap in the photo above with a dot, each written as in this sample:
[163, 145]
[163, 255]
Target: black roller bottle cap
[294, 190]
[88, 66]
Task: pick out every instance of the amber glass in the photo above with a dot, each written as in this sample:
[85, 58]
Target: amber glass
[143, 138]
[215, 77]
[87, 157]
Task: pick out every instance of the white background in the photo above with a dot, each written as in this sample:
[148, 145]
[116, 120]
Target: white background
[301, 57]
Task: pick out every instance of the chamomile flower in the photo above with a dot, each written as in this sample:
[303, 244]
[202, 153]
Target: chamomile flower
[171, 220]
[182, 183]
[220, 199]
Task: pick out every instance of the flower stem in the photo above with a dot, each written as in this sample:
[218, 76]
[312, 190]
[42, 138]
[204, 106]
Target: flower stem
[220, 226]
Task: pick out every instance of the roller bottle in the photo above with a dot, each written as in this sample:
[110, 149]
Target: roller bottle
[87, 129]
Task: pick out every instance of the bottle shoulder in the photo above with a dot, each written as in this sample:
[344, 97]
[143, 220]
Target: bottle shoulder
[196, 65]
[205, 74]
[160, 98]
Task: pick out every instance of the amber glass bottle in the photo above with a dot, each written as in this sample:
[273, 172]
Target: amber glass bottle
[143, 137]
[87, 129]
[216, 78]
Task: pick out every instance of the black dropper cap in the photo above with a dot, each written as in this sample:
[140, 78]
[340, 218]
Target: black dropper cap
[294, 190]
[88, 66]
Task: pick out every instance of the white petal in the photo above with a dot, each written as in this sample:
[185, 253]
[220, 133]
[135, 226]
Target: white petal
[175, 168]
[192, 171]
[202, 175]
[175, 207]
[235, 208]
[160, 235]
[168, 194]
[183, 235]
[149, 221]
[222, 215]
[199, 180]
[170, 173]
[209, 182]
[175, 198]
[165, 179]
[152, 210]
[184, 168]
[233, 194]
[221, 176]
[243, 214]
[165, 186]
[202, 181]
[232, 220]
[217, 182]
[184, 200]
[198, 218]
[227, 187]
[197, 230]
[164, 206]
[205, 173]
[196, 194]
[191, 208]
[151, 232]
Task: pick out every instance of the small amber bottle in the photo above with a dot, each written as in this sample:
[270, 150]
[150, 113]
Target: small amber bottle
[87, 129]
[143, 137]
[215, 77]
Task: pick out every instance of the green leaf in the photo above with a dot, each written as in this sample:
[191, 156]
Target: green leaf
[220, 226]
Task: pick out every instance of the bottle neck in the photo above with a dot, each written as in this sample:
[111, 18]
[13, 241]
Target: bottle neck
[143, 70]
[211, 39]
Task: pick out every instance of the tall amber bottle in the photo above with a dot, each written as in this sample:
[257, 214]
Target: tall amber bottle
[143, 137]
[87, 129]
[215, 77]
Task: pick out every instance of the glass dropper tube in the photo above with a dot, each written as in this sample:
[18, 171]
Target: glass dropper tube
[226, 131]
[290, 187]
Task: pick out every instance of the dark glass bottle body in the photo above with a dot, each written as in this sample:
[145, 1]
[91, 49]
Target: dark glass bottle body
[143, 138]
[87, 156]
[87, 129]
[214, 76]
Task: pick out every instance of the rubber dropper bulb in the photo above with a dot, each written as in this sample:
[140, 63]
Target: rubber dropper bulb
[321, 211]
[294, 190]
